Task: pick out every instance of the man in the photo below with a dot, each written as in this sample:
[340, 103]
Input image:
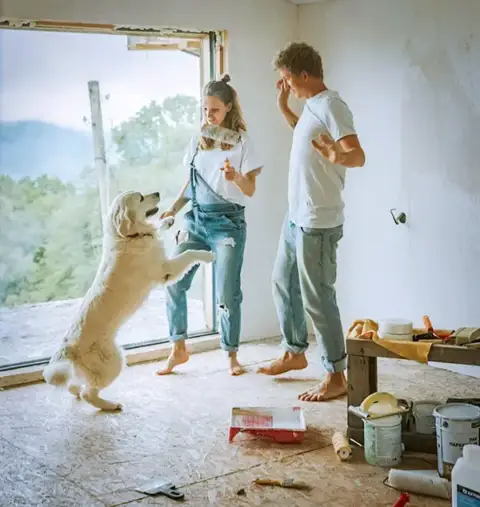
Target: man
[324, 145]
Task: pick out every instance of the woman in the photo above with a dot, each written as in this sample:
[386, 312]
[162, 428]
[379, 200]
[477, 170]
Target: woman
[221, 175]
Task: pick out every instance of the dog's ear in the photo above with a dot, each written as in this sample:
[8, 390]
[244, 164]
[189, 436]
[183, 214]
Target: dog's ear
[123, 220]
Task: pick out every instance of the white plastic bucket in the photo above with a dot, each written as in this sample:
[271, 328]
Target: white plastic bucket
[457, 424]
[424, 418]
[383, 441]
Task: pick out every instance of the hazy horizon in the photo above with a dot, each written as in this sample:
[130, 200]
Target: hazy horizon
[44, 77]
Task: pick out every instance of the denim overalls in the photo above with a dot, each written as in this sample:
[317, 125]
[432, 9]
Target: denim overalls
[218, 225]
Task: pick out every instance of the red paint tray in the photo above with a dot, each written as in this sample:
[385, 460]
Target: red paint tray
[283, 425]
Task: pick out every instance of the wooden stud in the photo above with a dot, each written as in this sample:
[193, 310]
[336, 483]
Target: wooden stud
[362, 381]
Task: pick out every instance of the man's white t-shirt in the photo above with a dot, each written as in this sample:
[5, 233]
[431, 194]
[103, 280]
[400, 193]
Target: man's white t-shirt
[315, 185]
[243, 158]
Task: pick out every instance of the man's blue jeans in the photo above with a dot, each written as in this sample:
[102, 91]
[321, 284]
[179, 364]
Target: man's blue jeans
[304, 282]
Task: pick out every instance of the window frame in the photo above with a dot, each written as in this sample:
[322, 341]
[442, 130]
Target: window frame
[212, 54]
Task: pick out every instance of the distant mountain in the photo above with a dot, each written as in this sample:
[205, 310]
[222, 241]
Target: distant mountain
[33, 148]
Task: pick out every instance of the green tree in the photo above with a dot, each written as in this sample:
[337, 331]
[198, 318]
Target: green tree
[51, 230]
[151, 146]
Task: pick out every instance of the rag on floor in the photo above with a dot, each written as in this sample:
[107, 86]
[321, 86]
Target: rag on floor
[367, 329]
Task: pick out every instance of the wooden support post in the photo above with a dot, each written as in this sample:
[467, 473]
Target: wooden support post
[362, 381]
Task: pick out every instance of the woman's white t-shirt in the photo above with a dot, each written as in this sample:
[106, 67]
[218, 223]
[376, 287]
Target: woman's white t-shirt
[209, 163]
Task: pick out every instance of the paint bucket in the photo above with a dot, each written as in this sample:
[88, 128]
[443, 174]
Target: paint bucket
[424, 418]
[383, 441]
[457, 424]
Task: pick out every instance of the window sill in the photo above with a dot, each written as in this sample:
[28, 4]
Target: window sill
[33, 374]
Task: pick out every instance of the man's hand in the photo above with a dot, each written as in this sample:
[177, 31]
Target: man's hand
[283, 93]
[328, 148]
[229, 172]
[347, 151]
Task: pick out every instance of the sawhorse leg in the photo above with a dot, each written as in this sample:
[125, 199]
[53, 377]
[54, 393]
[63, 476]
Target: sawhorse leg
[362, 381]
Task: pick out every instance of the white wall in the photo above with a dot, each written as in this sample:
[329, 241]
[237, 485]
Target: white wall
[257, 29]
[410, 71]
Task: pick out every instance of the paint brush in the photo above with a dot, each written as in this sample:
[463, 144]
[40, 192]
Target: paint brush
[287, 483]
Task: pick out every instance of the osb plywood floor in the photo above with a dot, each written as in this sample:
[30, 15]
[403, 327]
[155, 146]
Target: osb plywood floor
[57, 452]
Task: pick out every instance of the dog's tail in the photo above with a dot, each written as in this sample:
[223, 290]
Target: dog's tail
[59, 370]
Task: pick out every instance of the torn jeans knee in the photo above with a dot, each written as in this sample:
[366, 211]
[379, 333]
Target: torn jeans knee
[229, 242]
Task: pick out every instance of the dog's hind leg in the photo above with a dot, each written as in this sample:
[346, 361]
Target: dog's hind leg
[74, 385]
[74, 388]
[90, 395]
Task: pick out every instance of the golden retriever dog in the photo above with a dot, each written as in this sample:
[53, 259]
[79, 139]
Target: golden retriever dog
[133, 263]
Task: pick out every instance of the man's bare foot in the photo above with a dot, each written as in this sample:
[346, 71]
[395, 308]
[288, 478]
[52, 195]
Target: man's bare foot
[178, 355]
[235, 367]
[288, 362]
[333, 386]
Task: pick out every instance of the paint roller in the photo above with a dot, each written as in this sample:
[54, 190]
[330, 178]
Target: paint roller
[221, 134]
[341, 447]
[423, 482]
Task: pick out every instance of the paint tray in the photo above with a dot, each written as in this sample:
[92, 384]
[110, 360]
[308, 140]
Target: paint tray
[283, 425]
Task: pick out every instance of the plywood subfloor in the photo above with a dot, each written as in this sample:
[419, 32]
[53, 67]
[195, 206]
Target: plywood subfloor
[57, 452]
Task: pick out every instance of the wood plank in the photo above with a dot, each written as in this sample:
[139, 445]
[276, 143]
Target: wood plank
[362, 381]
[438, 353]
[414, 442]
[66, 25]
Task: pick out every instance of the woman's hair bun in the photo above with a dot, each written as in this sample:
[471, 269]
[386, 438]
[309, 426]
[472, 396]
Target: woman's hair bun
[226, 78]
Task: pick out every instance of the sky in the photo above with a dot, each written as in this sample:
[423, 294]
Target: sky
[44, 76]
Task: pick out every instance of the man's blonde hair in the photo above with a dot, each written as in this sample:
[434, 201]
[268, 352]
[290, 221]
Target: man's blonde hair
[299, 57]
[234, 118]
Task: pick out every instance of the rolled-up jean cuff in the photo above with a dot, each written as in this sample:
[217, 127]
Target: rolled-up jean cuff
[336, 366]
[178, 337]
[294, 349]
[228, 348]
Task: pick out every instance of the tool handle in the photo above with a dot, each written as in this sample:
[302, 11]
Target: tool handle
[268, 482]
[402, 501]
[428, 323]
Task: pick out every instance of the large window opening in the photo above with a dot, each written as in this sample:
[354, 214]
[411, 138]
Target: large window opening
[84, 116]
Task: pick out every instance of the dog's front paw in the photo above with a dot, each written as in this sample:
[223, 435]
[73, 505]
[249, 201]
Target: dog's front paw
[166, 223]
[206, 256]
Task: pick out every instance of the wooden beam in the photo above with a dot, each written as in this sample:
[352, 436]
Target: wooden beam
[362, 381]
[71, 25]
[438, 353]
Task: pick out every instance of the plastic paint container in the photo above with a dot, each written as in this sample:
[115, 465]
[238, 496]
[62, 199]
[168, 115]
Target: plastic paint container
[383, 441]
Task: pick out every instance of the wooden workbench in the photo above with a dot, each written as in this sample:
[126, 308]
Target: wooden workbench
[362, 381]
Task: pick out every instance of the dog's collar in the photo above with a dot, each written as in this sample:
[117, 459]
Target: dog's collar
[138, 235]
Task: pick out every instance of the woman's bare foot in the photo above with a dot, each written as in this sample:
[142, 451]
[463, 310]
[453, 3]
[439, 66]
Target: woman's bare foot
[235, 367]
[178, 355]
[288, 362]
[333, 386]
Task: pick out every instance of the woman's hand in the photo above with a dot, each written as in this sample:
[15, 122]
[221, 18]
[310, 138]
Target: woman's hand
[167, 213]
[229, 173]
